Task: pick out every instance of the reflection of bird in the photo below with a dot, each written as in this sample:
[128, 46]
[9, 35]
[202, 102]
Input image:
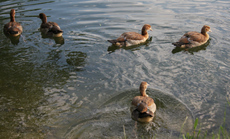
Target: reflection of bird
[132, 38]
[49, 28]
[193, 38]
[12, 28]
[14, 39]
[143, 107]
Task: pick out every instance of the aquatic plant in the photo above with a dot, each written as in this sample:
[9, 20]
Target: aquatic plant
[222, 133]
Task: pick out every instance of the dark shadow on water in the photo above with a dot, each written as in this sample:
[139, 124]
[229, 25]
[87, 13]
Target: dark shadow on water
[77, 60]
[191, 50]
[24, 98]
[113, 48]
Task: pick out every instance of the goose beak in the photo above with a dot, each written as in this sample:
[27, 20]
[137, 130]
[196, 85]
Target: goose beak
[151, 29]
[210, 30]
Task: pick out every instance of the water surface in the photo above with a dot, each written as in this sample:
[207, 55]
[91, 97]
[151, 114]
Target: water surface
[79, 86]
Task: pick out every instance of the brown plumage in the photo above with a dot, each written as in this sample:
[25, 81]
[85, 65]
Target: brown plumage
[143, 107]
[49, 28]
[193, 38]
[13, 28]
[132, 38]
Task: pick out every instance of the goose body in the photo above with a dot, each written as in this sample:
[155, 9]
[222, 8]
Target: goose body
[193, 38]
[13, 28]
[49, 28]
[132, 38]
[143, 107]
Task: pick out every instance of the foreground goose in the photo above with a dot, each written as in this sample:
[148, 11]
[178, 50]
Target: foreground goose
[49, 28]
[143, 107]
[193, 38]
[132, 38]
[12, 28]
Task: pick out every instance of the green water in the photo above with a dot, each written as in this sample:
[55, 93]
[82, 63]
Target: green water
[79, 86]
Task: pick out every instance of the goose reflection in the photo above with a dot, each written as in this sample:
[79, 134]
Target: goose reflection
[58, 40]
[50, 30]
[14, 39]
[113, 48]
[191, 50]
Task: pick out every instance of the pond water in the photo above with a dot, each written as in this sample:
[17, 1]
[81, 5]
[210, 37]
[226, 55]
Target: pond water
[79, 86]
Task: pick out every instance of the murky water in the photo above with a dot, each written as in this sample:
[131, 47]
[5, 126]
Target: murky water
[79, 86]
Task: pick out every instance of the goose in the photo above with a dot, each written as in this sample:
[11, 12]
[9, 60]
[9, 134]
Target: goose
[49, 28]
[143, 107]
[193, 38]
[132, 38]
[13, 28]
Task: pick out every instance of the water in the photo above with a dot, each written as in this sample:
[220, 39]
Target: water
[80, 86]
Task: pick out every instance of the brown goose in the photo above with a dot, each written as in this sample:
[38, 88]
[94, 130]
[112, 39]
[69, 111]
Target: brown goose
[49, 28]
[193, 38]
[12, 28]
[143, 107]
[132, 38]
